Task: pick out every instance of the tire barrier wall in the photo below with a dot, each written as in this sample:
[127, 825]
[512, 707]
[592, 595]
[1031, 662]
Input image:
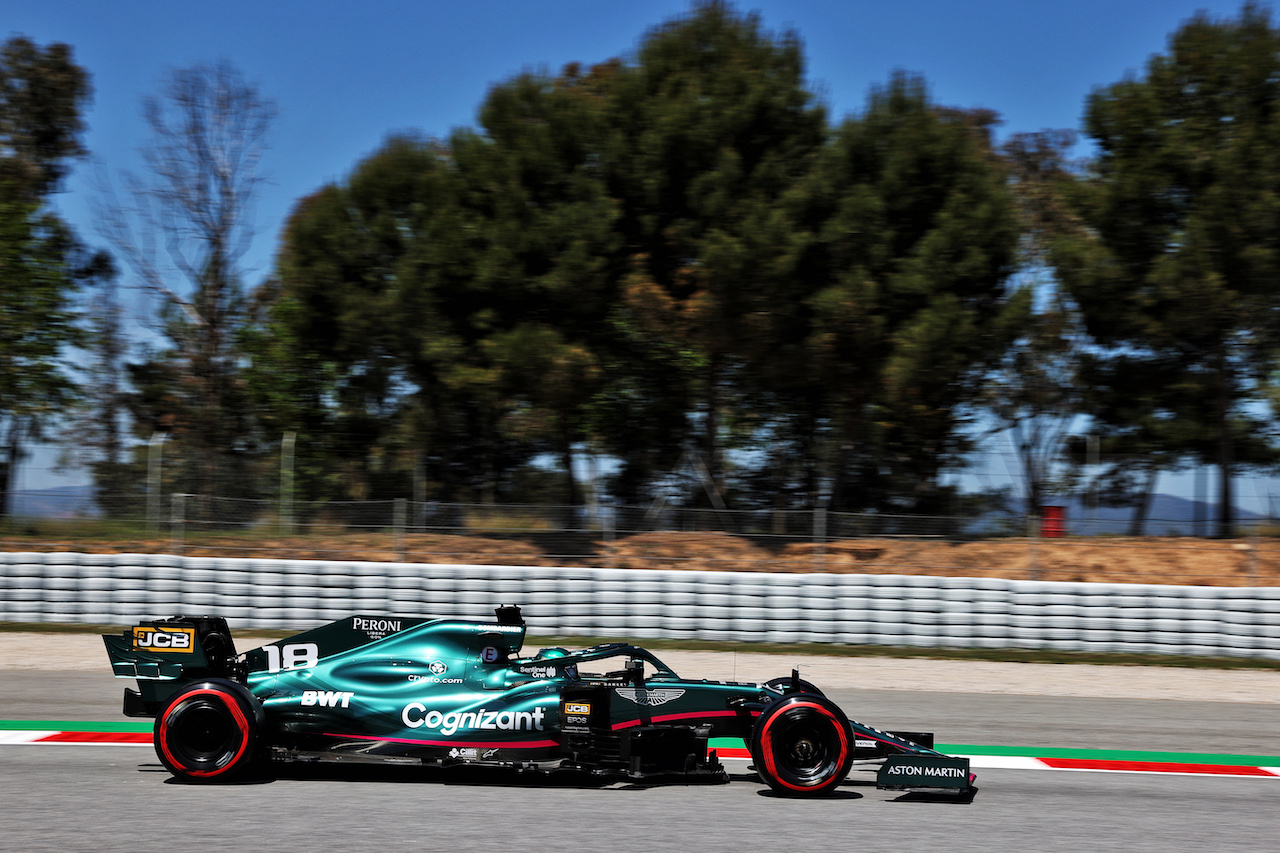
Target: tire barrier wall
[889, 610]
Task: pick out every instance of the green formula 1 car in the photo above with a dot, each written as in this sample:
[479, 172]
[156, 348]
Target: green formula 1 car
[439, 692]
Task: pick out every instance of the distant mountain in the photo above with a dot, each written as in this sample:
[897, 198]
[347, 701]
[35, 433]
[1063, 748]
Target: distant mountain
[60, 502]
[1168, 516]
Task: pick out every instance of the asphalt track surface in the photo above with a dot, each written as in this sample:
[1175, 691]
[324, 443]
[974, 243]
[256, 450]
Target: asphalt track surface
[118, 798]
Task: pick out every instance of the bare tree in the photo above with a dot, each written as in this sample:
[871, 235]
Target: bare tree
[96, 435]
[1035, 392]
[188, 223]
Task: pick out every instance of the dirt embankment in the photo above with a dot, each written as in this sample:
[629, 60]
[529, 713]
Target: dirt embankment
[1162, 560]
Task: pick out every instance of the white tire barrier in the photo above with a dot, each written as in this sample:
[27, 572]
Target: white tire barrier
[889, 610]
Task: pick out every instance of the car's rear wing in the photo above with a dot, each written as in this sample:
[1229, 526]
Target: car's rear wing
[160, 652]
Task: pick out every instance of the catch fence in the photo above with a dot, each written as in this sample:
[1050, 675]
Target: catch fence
[1078, 549]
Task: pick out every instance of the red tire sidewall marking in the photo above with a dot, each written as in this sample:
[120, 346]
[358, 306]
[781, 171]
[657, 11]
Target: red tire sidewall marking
[766, 743]
[241, 722]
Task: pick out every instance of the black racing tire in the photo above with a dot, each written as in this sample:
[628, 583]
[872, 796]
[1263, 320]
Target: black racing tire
[208, 731]
[783, 682]
[802, 745]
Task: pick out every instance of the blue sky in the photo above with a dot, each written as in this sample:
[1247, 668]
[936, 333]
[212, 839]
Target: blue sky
[344, 75]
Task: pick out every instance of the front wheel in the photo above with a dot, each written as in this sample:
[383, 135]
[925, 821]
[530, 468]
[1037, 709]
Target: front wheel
[207, 732]
[802, 745]
[783, 683]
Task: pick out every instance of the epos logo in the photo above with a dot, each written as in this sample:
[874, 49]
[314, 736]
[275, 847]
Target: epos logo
[165, 639]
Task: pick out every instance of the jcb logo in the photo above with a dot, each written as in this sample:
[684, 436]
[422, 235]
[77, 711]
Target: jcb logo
[577, 708]
[165, 639]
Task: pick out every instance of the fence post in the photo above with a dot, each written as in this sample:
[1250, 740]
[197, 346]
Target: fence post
[1033, 546]
[154, 450]
[819, 538]
[607, 522]
[1256, 541]
[286, 482]
[176, 523]
[397, 524]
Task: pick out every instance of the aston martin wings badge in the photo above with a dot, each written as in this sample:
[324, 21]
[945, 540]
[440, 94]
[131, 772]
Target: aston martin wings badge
[649, 696]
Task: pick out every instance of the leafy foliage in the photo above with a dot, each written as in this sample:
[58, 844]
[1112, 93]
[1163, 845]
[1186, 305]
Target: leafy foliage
[41, 95]
[675, 259]
[1178, 270]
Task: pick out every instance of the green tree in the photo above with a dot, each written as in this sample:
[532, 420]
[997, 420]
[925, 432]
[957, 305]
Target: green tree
[548, 245]
[1181, 259]
[1035, 393]
[37, 321]
[714, 124]
[338, 342]
[42, 93]
[900, 295]
[454, 296]
[1145, 419]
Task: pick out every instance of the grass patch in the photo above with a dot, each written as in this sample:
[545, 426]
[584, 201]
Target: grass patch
[506, 521]
[77, 528]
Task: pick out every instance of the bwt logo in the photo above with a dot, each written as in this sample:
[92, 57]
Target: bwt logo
[327, 698]
[165, 639]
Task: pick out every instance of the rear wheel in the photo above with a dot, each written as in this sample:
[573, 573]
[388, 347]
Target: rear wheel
[207, 732]
[802, 745]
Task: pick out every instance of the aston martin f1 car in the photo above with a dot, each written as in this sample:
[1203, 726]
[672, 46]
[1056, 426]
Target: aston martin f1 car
[441, 693]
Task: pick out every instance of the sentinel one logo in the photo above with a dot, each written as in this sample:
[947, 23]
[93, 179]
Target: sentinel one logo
[165, 639]
[416, 716]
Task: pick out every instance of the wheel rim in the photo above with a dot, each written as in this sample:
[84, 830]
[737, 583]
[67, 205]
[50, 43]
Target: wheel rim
[803, 747]
[205, 734]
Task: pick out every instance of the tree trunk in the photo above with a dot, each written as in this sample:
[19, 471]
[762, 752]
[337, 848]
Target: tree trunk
[843, 450]
[570, 481]
[711, 426]
[9, 456]
[1140, 510]
[1226, 510]
[6, 468]
[1030, 473]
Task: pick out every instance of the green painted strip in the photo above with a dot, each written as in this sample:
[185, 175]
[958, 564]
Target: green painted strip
[1112, 754]
[1088, 754]
[73, 726]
